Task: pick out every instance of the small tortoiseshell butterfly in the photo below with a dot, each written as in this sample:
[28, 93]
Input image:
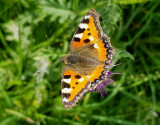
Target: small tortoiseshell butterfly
[87, 63]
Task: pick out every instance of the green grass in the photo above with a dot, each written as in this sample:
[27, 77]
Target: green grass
[30, 72]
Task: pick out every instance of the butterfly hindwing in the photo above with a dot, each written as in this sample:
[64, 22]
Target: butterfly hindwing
[105, 53]
[73, 87]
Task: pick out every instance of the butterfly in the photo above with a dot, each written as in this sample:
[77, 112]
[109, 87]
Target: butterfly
[88, 60]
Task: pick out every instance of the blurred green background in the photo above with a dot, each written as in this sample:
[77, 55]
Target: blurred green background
[35, 33]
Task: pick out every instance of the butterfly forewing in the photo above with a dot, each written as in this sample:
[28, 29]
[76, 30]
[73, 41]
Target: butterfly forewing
[88, 31]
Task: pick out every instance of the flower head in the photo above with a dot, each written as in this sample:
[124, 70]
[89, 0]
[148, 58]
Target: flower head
[108, 81]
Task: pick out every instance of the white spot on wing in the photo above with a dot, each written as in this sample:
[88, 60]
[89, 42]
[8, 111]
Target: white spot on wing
[88, 76]
[83, 26]
[78, 35]
[67, 80]
[81, 79]
[65, 99]
[66, 90]
[96, 46]
[91, 38]
[87, 17]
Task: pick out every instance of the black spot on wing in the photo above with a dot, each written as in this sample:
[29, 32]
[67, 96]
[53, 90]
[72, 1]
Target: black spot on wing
[67, 95]
[87, 40]
[67, 76]
[85, 21]
[76, 83]
[77, 76]
[76, 39]
[65, 85]
[79, 30]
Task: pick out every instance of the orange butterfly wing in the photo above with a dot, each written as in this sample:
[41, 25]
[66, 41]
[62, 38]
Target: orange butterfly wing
[73, 88]
[105, 53]
[89, 30]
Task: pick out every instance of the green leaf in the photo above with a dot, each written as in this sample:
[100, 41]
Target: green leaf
[131, 1]
[109, 22]
[122, 53]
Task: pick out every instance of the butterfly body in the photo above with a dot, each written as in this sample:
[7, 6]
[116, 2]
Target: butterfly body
[80, 63]
[87, 63]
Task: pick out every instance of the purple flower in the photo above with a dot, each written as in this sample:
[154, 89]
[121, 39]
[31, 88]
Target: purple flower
[108, 81]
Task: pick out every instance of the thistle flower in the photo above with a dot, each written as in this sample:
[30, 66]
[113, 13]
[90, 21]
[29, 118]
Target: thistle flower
[101, 86]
